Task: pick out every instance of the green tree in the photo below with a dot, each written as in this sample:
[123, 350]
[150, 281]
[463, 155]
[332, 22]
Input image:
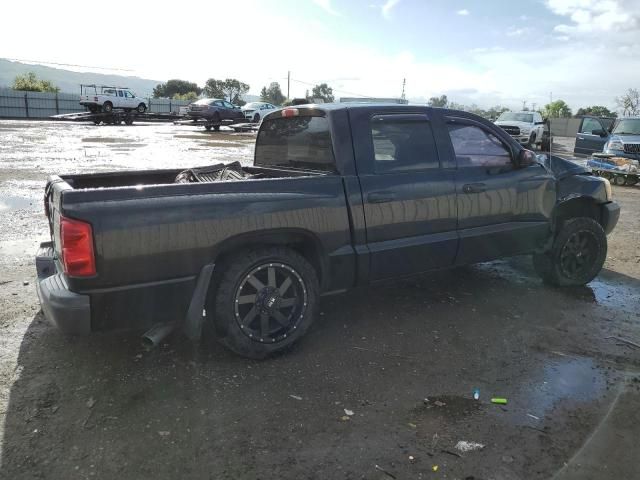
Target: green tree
[323, 91]
[230, 89]
[191, 96]
[214, 88]
[441, 101]
[596, 111]
[272, 94]
[30, 83]
[557, 109]
[175, 86]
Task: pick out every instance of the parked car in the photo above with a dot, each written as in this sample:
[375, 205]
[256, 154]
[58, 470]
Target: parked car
[101, 98]
[339, 195]
[527, 128]
[616, 137]
[214, 110]
[255, 111]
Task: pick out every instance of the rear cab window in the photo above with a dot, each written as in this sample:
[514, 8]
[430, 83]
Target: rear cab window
[302, 142]
[403, 143]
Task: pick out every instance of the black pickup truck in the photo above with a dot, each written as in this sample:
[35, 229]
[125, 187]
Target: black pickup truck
[338, 196]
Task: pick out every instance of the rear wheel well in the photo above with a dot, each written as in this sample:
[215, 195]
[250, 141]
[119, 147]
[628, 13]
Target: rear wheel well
[303, 243]
[577, 207]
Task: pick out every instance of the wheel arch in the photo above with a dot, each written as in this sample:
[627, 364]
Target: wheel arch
[304, 242]
[581, 206]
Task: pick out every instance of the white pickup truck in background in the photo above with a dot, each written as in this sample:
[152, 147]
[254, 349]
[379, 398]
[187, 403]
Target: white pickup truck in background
[103, 98]
[525, 127]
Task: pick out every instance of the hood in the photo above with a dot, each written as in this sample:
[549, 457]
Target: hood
[625, 138]
[514, 123]
[562, 168]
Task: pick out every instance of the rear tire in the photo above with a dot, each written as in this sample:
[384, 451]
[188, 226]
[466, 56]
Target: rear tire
[265, 300]
[619, 180]
[576, 256]
[107, 107]
[207, 128]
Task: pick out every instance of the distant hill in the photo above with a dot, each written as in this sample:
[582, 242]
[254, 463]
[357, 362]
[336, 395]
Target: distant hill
[69, 81]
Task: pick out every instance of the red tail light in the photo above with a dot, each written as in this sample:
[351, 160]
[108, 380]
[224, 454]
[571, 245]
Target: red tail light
[77, 248]
[290, 112]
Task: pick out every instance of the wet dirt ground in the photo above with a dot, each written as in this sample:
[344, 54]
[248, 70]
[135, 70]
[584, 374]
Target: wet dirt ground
[380, 388]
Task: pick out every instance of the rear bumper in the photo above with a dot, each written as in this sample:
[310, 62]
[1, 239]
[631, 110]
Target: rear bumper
[610, 216]
[69, 311]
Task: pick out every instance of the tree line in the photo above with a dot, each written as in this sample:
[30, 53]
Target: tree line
[233, 89]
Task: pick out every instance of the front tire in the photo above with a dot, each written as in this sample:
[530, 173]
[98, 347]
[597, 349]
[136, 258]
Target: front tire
[256, 118]
[265, 300]
[576, 256]
[141, 108]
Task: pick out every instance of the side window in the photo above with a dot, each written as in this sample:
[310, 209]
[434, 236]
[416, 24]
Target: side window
[589, 125]
[218, 103]
[403, 143]
[476, 147]
[128, 94]
[120, 93]
[227, 105]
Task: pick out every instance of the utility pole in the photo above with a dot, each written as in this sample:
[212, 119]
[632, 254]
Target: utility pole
[288, 83]
[533, 106]
[404, 82]
[524, 105]
[550, 97]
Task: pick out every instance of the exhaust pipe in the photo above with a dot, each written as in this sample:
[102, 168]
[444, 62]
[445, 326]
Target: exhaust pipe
[156, 334]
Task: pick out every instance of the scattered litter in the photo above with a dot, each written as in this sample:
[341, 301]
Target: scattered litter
[476, 394]
[91, 402]
[345, 418]
[295, 397]
[434, 468]
[348, 412]
[412, 458]
[623, 340]
[455, 454]
[507, 459]
[412, 425]
[533, 416]
[465, 446]
[379, 468]
[499, 401]
[438, 403]
[164, 433]
[138, 356]
[25, 283]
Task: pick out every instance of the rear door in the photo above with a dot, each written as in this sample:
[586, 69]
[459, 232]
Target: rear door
[586, 141]
[502, 210]
[408, 194]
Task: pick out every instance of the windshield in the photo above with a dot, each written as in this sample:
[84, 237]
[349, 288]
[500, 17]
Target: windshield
[627, 126]
[516, 117]
[295, 142]
[253, 105]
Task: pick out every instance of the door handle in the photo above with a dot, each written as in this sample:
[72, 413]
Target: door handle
[580, 138]
[474, 188]
[381, 197]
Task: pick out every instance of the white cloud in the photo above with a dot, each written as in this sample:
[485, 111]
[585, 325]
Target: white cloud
[589, 16]
[388, 6]
[463, 12]
[518, 32]
[327, 7]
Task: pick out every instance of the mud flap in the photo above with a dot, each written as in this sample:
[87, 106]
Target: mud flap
[192, 326]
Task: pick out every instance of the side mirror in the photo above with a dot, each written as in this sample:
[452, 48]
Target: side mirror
[599, 132]
[526, 158]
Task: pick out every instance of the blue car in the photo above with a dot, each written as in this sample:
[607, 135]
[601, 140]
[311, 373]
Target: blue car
[620, 137]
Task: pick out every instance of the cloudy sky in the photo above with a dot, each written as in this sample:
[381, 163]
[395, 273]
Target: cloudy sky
[486, 52]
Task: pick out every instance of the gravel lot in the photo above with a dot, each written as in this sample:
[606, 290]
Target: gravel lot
[404, 358]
